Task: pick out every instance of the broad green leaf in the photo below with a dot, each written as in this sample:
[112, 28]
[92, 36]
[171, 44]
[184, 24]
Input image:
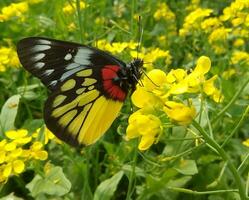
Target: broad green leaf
[180, 182]
[9, 112]
[187, 167]
[11, 196]
[106, 189]
[138, 171]
[54, 183]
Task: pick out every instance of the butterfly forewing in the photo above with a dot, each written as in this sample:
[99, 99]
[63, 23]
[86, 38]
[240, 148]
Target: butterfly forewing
[84, 102]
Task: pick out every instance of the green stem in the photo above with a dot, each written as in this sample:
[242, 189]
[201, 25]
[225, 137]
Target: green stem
[132, 174]
[200, 192]
[79, 20]
[236, 127]
[225, 157]
[230, 103]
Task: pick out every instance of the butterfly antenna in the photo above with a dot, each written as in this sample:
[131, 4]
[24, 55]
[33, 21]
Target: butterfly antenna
[140, 34]
[149, 78]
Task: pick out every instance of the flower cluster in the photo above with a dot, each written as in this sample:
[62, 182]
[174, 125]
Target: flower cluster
[16, 150]
[16, 10]
[149, 55]
[161, 95]
[163, 12]
[232, 25]
[8, 57]
[193, 20]
[70, 8]
[13, 10]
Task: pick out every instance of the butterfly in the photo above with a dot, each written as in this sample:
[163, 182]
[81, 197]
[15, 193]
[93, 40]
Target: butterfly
[88, 86]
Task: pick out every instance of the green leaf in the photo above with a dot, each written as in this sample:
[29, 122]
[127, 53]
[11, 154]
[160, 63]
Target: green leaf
[54, 183]
[106, 189]
[9, 112]
[11, 196]
[138, 171]
[187, 167]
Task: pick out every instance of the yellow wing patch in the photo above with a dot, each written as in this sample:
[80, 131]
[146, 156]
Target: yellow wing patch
[68, 85]
[58, 100]
[85, 73]
[98, 120]
[89, 81]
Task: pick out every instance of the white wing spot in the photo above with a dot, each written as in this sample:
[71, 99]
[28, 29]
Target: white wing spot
[40, 48]
[69, 73]
[41, 41]
[72, 66]
[38, 57]
[68, 56]
[39, 65]
[48, 72]
[82, 56]
[53, 83]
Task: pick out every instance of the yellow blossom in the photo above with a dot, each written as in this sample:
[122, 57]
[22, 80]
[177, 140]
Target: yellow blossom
[210, 24]
[145, 126]
[228, 73]
[13, 10]
[151, 55]
[46, 135]
[13, 157]
[163, 12]
[115, 47]
[179, 113]
[142, 98]
[238, 42]
[193, 20]
[8, 57]
[240, 56]
[246, 142]
[219, 34]
[71, 8]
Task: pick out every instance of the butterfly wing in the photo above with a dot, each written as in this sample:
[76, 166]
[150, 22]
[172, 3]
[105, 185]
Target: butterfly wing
[84, 100]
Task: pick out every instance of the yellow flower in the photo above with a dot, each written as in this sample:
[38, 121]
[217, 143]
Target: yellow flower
[115, 47]
[13, 10]
[34, 1]
[37, 152]
[219, 34]
[229, 73]
[70, 9]
[142, 98]
[147, 126]
[19, 136]
[8, 57]
[210, 24]
[246, 142]
[151, 55]
[179, 113]
[238, 42]
[13, 157]
[163, 12]
[193, 20]
[203, 65]
[46, 135]
[240, 56]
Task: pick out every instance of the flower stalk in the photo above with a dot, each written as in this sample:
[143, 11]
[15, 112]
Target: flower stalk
[225, 157]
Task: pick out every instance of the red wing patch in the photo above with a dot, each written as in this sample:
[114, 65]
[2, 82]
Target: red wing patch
[109, 72]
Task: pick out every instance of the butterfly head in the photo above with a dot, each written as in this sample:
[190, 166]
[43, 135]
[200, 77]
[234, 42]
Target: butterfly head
[135, 71]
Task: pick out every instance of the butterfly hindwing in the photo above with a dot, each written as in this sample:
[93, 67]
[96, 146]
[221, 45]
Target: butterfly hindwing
[84, 101]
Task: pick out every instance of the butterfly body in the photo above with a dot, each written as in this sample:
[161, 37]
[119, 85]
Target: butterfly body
[88, 86]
